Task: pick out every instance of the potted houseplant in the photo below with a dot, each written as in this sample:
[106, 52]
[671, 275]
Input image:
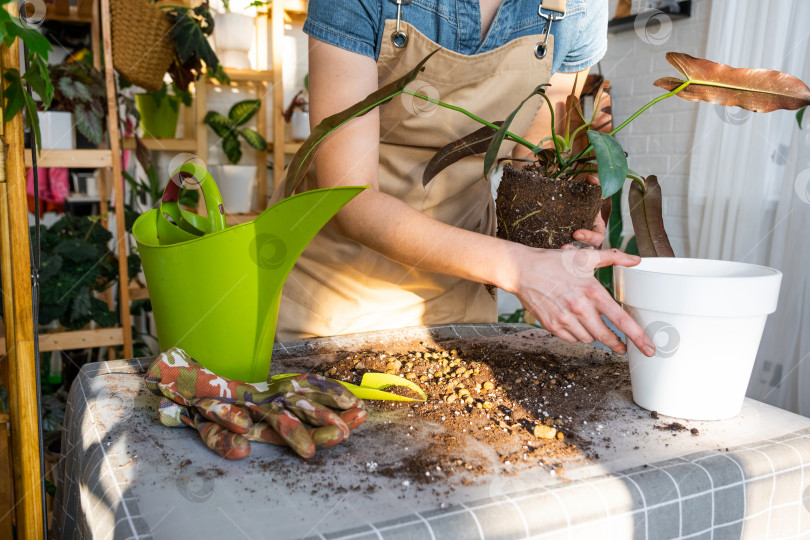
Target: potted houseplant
[160, 110]
[702, 295]
[234, 36]
[237, 181]
[79, 90]
[297, 113]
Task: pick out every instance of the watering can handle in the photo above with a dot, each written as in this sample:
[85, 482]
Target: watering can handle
[210, 191]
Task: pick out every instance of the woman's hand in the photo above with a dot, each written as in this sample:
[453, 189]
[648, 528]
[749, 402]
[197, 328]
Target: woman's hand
[558, 288]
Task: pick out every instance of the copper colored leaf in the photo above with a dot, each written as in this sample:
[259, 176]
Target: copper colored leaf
[648, 220]
[602, 120]
[575, 120]
[592, 83]
[474, 143]
[302, 159]
[758, 90]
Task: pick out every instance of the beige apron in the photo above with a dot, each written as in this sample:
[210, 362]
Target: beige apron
[340, 286]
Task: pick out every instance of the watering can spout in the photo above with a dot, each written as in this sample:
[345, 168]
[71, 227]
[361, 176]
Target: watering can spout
[287, 227]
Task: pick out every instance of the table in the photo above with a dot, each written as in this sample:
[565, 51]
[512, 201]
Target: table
[125, 476]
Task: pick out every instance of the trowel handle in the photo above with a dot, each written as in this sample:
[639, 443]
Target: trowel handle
[191, 173]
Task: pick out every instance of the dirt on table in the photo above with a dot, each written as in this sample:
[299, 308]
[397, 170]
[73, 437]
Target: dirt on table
[544, 212]
[530, 406]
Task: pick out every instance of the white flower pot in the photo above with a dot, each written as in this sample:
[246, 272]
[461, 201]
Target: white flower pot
[236, 184]
[234, 35]
[299, 125]
[57, 130]
[706, 319]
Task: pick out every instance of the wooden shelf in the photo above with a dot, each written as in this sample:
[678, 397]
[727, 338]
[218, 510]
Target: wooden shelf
[79, 339]
[77, 159]
[169, 145]
[248, 75]
[4, 417]
[138, 293]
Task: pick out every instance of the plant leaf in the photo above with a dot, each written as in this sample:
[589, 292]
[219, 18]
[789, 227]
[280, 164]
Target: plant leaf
[88, 124]
[610, 160]
[497, 139]
[36, 42]
[241, 113]
[221, 125]
[33, 118]
[232, 148]
[254, 139]
[615, 222]
[758, 90]
[302, 159]
[37, 77]
[474, 143]
[602, 119]
[13, 94]
[800, 116]
[648, 220]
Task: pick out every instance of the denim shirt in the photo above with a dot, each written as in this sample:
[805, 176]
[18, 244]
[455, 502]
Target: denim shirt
[580, 39]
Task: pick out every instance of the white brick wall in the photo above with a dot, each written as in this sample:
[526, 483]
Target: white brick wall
[658, 142]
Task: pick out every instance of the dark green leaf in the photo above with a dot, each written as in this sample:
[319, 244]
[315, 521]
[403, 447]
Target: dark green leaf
[610, 160]
[37, 77]
[800, 116]
[241, 113]
[497, 139]
[232, 148]
[89, 124]
[221, 125]
[632, 246]
[190, 40]
[13, 94]
[615, 223]
[80, 306]
[35, 41]
[474, 143]
[32, 115]
[100, 312]
[254, 139]
[302, 159]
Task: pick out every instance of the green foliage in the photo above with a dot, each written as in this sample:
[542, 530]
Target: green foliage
[15, 96]
[174, 99]
[76, 264]
[193, 54]
[227, 128]
[800, 116]
[80, 88]
[612, 162]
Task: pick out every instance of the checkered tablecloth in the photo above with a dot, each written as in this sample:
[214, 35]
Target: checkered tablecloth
[125, 476]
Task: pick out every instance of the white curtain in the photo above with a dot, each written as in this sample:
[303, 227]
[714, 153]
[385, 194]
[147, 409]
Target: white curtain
[749, 186]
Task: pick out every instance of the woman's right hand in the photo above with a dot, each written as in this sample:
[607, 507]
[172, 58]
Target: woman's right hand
[558, 287]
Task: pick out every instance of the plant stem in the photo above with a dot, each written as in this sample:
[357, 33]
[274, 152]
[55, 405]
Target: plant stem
[623, 124]
[478, 119]
[553, 132]
[639, 180]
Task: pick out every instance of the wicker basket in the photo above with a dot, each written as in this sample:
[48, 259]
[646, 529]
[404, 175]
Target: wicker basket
[142, 47]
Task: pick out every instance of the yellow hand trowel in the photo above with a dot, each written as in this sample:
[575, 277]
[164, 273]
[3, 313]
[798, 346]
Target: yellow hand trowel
[373, 385]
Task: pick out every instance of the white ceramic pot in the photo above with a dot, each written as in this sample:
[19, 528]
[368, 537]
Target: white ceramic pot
[299, 125]
[236, 184]
[57, 130]
[706, 320]
[234, 35]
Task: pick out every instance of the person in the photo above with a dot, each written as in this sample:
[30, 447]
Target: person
[400, 254]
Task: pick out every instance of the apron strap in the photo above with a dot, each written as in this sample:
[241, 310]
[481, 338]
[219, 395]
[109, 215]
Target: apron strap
[399, 38]
[558, 9]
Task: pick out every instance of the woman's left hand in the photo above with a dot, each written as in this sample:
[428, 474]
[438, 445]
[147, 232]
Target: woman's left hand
[596, 236]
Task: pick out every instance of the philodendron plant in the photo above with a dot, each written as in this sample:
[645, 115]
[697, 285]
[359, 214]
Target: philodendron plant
[567, 156]
[229, 128]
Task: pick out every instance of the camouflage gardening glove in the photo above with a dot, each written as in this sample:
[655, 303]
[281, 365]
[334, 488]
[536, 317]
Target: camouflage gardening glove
[295, 411]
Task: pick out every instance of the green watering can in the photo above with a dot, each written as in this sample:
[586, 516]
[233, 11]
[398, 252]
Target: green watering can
[215, 291]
